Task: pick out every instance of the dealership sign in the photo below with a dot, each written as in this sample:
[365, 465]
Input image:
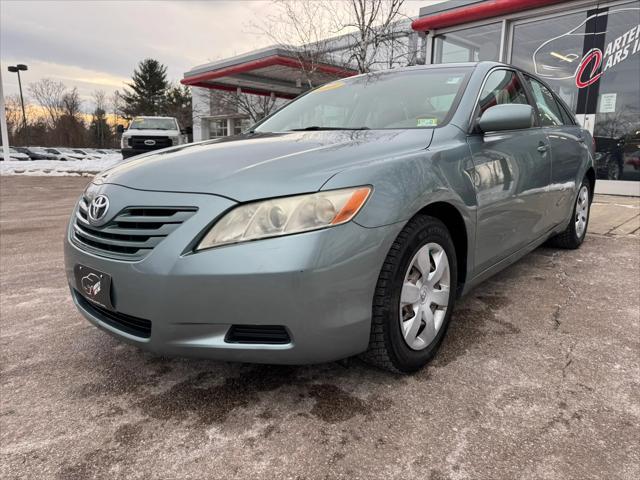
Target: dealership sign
[616, 51]
[555, 58]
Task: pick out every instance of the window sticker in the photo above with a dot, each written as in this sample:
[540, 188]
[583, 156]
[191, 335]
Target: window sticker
[427, 122]
[608, 102]
[330, 86]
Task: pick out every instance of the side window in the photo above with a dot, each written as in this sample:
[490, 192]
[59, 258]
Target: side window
[501, 86]
[567, 118]
[548, 108]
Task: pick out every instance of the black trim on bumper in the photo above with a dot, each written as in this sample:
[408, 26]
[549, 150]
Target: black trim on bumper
[135, 326]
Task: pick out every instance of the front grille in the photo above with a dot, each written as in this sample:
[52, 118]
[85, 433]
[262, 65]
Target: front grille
[138, 327]
[160, 142]
[132, 233]
[266, 334]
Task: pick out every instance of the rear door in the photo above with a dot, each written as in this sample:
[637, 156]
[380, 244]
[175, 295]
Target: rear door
[511, 174]
[568, 149]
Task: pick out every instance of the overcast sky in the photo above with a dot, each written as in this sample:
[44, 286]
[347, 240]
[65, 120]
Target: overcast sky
[96, 44]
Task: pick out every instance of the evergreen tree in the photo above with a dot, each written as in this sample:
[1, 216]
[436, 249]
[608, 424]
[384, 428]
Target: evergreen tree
[148, 89]
[178, 104]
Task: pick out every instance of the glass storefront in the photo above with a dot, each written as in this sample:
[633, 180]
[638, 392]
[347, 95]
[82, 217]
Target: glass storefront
[592, 60]
[589, 54]
[468, 45]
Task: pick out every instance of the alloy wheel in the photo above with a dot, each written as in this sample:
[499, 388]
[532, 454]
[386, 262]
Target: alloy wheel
[425, 296]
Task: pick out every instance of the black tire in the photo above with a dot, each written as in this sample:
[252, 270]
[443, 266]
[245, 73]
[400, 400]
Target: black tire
[387, 347]
[569, 238]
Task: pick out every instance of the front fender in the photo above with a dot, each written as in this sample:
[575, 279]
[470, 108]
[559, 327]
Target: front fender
[404, 185]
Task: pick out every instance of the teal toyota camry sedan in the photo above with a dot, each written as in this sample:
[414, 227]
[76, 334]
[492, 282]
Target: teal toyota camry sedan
[346, 223]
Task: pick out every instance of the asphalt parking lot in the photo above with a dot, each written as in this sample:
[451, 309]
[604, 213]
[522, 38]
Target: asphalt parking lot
[539, 378]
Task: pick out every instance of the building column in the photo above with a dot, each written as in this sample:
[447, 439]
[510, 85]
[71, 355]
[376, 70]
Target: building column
[201, 107]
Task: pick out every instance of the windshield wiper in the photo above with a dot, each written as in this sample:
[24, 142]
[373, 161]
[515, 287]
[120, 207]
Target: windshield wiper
[316, 127]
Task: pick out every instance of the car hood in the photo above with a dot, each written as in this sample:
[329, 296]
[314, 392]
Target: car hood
[151, 133]
[257, 166]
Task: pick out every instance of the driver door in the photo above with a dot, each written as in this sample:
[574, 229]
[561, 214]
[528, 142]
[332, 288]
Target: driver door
[511, 176]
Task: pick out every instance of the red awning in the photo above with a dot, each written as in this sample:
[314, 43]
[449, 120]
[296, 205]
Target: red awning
[267, 72]
[475, 12]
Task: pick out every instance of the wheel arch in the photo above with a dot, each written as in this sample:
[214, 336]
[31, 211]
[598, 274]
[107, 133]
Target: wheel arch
[454, 221]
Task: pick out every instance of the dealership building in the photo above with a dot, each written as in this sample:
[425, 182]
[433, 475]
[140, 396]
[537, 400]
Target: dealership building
[587, 51]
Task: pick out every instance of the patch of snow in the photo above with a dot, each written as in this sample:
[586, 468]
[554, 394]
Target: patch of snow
[57, 168]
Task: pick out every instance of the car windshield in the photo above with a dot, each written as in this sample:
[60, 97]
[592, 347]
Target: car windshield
[52, 150]
[421, 98]
[153, 124]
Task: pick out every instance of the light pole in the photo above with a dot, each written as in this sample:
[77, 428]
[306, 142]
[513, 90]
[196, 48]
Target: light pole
[16, 69]
[3, 125]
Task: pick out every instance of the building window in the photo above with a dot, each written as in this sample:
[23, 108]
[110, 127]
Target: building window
[468, 45]
[591, 59]
[218, 128]
[241, 125]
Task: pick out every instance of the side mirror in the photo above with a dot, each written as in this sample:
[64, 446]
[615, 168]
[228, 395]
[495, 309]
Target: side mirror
[120, 129]
[507, 116]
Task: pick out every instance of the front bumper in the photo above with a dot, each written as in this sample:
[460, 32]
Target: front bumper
[318, 285]
[132, 152]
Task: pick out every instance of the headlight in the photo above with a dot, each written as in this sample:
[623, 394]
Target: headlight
[175, 140]
[124, 143]
[284, 216]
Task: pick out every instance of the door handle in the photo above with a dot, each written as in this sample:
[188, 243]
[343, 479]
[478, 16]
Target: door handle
[542, 148]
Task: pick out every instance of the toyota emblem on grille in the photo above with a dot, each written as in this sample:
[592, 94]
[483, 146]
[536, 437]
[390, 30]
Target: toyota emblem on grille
[98, 208]
[149, 142]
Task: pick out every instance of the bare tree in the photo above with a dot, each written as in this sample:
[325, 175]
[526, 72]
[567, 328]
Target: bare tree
[49, 95]
[375, 29]
[373, 33]
[256, 107]
[71, 129]
[302, 28]
[71, 104]
[13, 111]
[116, 105]
[100, 99]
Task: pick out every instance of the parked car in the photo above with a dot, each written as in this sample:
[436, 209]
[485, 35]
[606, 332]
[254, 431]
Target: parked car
[347, 223]
[34, 154]
[151, 133]
[64, 154]
[88, 153]
[13, 154]
[98, 152]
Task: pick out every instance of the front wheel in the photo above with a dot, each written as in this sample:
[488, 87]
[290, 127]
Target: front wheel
[574, 234]
[414, 297]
